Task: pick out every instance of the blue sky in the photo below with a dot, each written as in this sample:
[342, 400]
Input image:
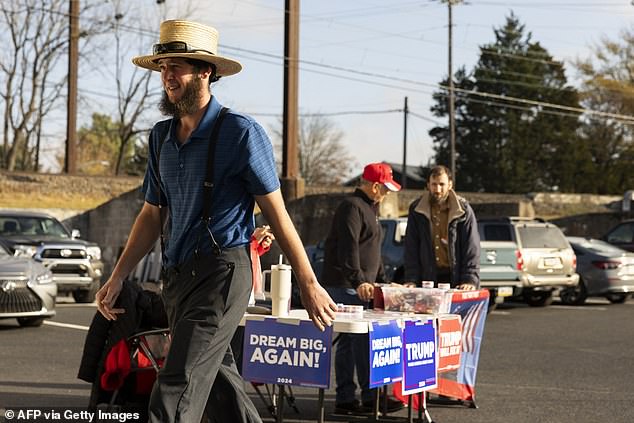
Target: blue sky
[367, 55]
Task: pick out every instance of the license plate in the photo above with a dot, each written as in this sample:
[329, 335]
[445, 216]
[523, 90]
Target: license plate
[552, 262]
[505, 291]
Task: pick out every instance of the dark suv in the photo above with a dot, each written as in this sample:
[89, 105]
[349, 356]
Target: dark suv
[75, 264]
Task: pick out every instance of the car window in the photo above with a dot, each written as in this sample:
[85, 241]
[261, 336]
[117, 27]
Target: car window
[541, 237]
[623, 234]
[29, 225]
[497, 233]
[401, 228]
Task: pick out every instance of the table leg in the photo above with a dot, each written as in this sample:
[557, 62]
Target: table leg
[279, 418]
[320, 406]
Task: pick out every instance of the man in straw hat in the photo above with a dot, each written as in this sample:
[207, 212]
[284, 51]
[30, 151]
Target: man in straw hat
[207, 167]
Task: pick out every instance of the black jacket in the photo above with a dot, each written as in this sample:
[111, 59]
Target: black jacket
[143, 310]
[353, 248]
[464, 243]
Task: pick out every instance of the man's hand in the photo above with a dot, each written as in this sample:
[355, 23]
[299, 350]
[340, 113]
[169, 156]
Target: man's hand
[264, 236]
[365, 291]
[106, 298]
[320, 307]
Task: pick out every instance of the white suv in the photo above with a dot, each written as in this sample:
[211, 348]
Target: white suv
[545, 259]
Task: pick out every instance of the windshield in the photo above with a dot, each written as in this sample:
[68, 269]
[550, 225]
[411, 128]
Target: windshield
[29, 225]
[542, 237]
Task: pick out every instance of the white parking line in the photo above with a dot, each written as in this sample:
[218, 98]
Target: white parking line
[66, 325]
[586, 308]
[71, 305]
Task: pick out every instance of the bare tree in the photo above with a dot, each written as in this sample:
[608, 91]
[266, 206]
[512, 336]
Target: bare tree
[32, 74]
[35, 45]
[323, 159]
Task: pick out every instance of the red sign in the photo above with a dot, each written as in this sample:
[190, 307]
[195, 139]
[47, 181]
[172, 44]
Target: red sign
[449, 343]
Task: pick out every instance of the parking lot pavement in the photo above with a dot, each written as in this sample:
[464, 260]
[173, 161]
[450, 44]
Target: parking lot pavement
[557, 364]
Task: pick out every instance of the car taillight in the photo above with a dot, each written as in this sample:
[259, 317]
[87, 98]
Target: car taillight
[574, 262]
[520, 260]
[607, 264]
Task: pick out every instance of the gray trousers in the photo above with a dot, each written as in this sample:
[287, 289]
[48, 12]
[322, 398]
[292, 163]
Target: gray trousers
[204, 300]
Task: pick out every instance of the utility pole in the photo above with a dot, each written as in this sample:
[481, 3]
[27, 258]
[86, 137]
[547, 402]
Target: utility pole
[404, 169]
[70, 162]
[451, 98]
[292, 183]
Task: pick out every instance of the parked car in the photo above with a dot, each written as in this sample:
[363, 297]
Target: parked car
[75, 264]
[545, 259]
[27, 290]
[604, 270]
[621, 235]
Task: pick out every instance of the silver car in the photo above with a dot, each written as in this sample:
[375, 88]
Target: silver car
[605, 270]
[27, 290]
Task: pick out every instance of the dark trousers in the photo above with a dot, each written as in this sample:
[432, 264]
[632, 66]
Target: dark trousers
[352, 354]
[204, 300]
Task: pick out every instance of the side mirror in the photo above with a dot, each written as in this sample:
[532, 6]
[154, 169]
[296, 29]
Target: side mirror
[74, 234]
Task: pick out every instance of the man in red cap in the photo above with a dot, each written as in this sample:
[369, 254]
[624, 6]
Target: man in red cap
[352, 264]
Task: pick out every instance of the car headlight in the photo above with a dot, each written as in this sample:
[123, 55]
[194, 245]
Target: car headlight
[24, 250]
[44, 278]
[94, 252]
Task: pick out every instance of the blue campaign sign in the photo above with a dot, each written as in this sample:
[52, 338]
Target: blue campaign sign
[286, 353]
[419, 356]
[386, 343]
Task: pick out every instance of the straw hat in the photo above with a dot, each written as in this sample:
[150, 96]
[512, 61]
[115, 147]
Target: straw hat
[188, 40]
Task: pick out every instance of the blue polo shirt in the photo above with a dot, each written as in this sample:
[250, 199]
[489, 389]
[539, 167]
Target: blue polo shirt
[244, 167]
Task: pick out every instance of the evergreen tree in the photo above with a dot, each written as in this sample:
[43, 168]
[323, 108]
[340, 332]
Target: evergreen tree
[503, 145]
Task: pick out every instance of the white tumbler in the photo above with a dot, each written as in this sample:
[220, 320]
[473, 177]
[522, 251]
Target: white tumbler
[280, 289]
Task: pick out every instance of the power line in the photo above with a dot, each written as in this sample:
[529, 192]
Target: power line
[341, 113]
[468, 92]
[620, 117]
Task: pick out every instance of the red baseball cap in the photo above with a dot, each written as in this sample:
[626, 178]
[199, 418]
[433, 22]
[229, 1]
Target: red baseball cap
[381, 173]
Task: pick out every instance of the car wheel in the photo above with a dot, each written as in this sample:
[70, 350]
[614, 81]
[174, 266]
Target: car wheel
[30, 321]
[617, 298]
[538, 298]
[88, 295]
[575, 295]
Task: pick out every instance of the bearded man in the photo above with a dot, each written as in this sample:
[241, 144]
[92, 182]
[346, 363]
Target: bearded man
[442, 243]
[207, 168]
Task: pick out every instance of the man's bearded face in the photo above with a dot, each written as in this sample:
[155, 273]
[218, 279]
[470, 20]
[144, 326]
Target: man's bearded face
[187, 104]
[439, 187]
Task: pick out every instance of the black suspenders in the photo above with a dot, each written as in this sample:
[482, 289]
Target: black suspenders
[208, 184]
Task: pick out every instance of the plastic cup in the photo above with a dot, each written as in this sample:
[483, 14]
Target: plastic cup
[280, 289]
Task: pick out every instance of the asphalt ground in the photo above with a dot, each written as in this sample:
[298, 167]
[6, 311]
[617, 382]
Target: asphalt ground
[555, 364]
